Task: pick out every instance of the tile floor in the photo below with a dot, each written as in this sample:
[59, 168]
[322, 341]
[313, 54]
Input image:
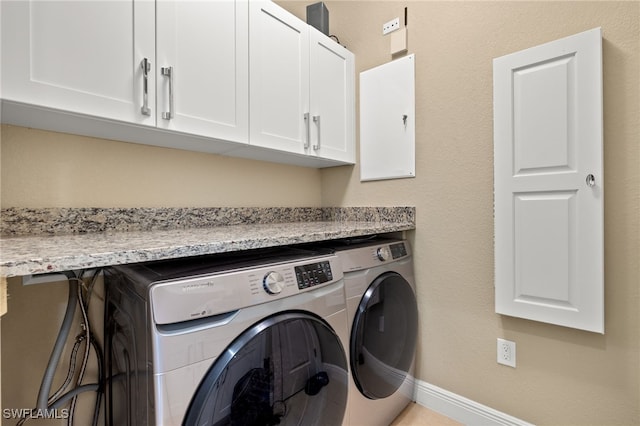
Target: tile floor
[417, 415]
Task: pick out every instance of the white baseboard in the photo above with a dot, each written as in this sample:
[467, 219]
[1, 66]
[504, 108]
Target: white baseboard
[460, 408]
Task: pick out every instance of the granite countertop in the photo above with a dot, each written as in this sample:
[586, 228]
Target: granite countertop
[36, 254]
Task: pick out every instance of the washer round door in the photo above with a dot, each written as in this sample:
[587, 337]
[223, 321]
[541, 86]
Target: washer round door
[288, 369]
[383, 336]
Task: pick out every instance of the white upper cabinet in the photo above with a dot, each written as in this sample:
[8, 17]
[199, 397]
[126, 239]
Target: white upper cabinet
[332, 104]
[279, 77]
[301, 85]
[221, 76]
[202, 68]
[80, 56]
[549, 251]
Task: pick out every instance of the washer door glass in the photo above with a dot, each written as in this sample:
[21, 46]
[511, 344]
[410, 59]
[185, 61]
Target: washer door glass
[288, 369]
[383, 336]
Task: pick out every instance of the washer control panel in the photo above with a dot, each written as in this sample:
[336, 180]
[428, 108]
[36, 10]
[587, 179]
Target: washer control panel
[313, 274]
[240, 287]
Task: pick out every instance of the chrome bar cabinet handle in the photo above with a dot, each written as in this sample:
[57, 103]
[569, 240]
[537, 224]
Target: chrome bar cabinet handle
[307, 126]
[316, 119]
[146, 67]
[168, 72]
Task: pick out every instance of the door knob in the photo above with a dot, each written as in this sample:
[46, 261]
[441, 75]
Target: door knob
[591, 180]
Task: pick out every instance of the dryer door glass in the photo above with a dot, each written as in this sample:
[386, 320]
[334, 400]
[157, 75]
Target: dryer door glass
[288, 369]
[383, 336]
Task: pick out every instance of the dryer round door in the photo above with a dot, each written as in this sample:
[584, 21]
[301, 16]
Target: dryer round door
[383, 336]
[289, 369]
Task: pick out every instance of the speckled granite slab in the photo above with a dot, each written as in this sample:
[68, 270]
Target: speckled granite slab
[34, 254]
[41, 254]
[55, 221]
[369, 214]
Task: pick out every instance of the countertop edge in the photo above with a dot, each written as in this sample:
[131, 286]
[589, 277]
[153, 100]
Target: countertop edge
[21, 256]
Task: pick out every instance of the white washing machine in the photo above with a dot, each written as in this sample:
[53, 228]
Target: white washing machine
[257, 338]
[383, 327]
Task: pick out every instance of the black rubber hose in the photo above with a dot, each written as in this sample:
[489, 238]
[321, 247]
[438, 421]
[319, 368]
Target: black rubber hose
[56, 353]
[73, 393]
[100, 391]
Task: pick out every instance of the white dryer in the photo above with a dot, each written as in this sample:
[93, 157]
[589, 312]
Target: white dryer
[383, 327]
[251, 339]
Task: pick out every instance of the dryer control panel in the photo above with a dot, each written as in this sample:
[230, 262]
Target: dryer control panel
[372, 255]
[398, 250]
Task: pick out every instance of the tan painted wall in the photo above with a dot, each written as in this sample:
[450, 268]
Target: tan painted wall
[562, 376]
[47, 169]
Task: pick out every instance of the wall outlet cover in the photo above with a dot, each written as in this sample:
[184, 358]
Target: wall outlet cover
[506, 351]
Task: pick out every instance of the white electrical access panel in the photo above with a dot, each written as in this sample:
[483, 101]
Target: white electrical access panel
[387, 121]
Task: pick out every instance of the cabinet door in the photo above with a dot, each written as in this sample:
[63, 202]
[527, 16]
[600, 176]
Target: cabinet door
[204, 44]
[80, 56]
[549, 250]
[332, 77]
[279, 77]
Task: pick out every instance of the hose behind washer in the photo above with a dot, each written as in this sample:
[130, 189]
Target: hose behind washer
[56, 353]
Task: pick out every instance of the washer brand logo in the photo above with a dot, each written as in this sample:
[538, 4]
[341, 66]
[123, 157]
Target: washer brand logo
[199, 286]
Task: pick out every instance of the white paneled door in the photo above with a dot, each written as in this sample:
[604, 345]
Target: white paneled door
[548, 183]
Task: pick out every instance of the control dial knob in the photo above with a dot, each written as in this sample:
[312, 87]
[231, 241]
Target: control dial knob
[383, 254]
[273, 282]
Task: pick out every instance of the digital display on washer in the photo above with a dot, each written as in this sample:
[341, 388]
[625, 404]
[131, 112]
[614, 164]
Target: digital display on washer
[398, 250]
[313, 274]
